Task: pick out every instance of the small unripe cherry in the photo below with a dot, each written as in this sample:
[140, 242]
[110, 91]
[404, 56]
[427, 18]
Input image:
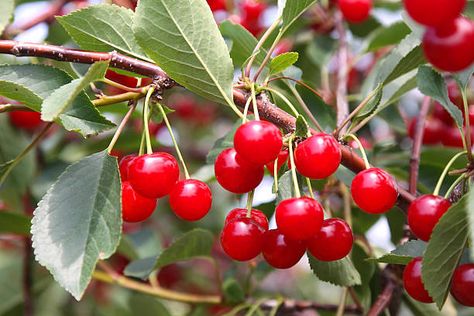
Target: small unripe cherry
[281, 252]
[135, 207]
[190, 199]
[413, 283]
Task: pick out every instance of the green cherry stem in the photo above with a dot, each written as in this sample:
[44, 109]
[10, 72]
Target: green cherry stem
[119, 86]
[175, 143]
[146, 108]
[121, 126]
[293, 169]
[445, 172]
[275, 174]
[249, 203]
[310, 187]
[254, 103]
[467, 134]
[361, 148]
[246, 110]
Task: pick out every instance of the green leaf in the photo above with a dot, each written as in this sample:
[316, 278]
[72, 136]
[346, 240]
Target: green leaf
[103, 28]
[285, 187]
[302, 127]
[341, 272]
[182, 38]
[320, 51]
[432, 84]
[7, 7]
[292, 10]
[141, 268]
[386, 36]
[444, 251]
[222, 143]
[79, 221]
[373, 103]
[398, 88]
[58, 101]
[156, 114]
[232, 291]
[464, 77]
[196, 243]
[470, 217]
[14, 223]
[144, 305]
[404, 253]
[282, 62]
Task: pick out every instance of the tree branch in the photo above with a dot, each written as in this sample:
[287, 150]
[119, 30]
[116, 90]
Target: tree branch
[342, 73]
[291, 307]
[417, 142]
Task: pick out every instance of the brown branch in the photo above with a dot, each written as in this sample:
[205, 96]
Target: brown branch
[291, 307]
[417, 142]
[342, 73]
[390, 276]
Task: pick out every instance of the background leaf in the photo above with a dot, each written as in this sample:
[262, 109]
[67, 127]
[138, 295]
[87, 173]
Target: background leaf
[291, 10]
[282, 62]
[341, 272]
[404, 253]
[14, 223]
[386, 36]
[79, 221]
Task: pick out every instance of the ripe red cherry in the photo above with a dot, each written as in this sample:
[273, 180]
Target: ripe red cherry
[258, 142]
[355, 11]
[281, 252]
[135, 207]
[124, 165]
[256, 215]
[450, 47]
[332, 242]
[424, 213]
[252, 10]
[242, 239]
[190, 199]
[299, 218]
[434, 12]
[452, 137]
[374, 191]
[432, 131]
[441, 114]
[216, 5]
[27, 120]
[235, 174]
[153, 175]
[462, 286]
[281, 159]
[413, 283]
[318, 156]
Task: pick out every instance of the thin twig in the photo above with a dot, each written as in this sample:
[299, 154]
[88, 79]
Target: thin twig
[28, 278]
[342, 72]
[417, 142]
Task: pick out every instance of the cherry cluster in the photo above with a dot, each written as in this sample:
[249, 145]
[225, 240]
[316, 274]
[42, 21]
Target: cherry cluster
[149, 177]
[448, 41]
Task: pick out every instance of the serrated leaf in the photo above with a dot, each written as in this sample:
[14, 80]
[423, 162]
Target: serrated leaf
[58, 101]
[432, 84]
[79, 221]
[291, 10]
[404, 253]
[7, 7]
[444, 251]
[14, 223]
[103, 28]
[372, 104]
[302, 127]
[182, 38]
[398, 88]
[282, 62]
[470, 218]
[341, 272]
[386, 36]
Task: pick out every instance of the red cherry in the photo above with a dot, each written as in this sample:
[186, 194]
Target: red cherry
[452, 137]
[450, 47]
[281, 159]
[153, 175]
[434, 12]
[281, 252]
[332, 242]
[135, 207]
[252, 10]
[299, 218]
[413, 283]
[124, 165]
[355, 11]
[374, 191]
[242, 239]
[455, 95]
[27, 120]
[318, 156]
[259, 142]
[256, 215]
[236, 174]
[424, 213]
[190, 199]
[217, 5]
[432, 131]
[441, 114]
[462, 286]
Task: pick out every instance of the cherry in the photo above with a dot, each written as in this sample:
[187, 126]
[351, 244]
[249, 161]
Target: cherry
[450, 47]
[256, 215]
[281, 252]
[135, 207]
[355, 11]
[190, 199]
[332, 242]
[434, 12]
[252, 10]
[413, 283]
[441, 114]
[153, 175]
[424, 213]
[452, 137]
[217, 5]
[242, 239]
[281, 159]
[299, 218]
[236, 174]
[258, 142]
[318, 156]
[432, 131]
[27, 120]
[462, 286]
[374, 191]
[124, 165]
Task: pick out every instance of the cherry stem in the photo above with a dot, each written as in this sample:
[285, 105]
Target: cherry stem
[268, 56]
[445, 172]
[342, 303]
[113, 99]
[467, 134]
[310, 187]
[146, 107]
[246, 110]
[249, 203]
[346, 196]
[275, 174]
[254, 103]
[120, 86]
[121, 127]
[361, 148]
[293, 168]
[175, 143]
[300, 82]
[285, 99]
[453, 186]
